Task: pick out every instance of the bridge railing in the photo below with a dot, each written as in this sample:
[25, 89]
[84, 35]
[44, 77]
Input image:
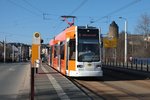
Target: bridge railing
[141, 64]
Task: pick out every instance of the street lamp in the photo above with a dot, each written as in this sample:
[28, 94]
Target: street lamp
[5, 49]
[125, 48]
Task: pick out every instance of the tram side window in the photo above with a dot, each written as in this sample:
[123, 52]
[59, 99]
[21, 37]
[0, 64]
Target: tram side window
[72, 49]
[62, 51]
[56, 51]
[50, 52]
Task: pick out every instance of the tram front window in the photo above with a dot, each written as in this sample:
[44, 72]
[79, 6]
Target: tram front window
[88, 52]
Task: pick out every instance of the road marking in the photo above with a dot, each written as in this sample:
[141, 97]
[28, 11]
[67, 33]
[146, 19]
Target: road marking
[59, 90]
[11, 69]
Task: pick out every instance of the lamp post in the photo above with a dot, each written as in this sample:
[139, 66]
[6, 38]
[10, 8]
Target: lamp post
[125, 42]
[5, 49]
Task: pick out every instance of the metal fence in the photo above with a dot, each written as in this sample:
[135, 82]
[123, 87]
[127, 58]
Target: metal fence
[140, 64]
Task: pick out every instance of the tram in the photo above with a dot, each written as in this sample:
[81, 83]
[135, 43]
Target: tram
[76, 52]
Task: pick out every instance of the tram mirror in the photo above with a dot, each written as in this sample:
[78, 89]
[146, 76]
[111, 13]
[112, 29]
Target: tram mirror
[42, 40]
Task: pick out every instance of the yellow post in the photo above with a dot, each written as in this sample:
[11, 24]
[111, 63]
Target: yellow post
[35, 57]
[36, 41]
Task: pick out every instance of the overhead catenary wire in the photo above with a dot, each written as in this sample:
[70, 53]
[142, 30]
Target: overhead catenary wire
[78, 7]
[75, 10]
[40, 11]
[36, 8]
[117, 10]
[14, 34]
[45, 14]
[28, 10]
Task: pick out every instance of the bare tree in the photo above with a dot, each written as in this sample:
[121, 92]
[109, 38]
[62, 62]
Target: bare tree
[143, 28]
[143, 25]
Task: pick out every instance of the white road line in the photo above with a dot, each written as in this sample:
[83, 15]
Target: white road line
[59, 90]
[11, 69]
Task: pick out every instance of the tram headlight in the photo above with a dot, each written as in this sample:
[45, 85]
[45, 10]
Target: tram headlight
[98, 66]
[79, 66]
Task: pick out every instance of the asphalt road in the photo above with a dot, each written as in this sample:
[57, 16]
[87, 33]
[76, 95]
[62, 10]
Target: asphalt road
[14, 79]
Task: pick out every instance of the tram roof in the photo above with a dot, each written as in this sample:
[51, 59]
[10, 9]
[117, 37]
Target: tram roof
[68, 33]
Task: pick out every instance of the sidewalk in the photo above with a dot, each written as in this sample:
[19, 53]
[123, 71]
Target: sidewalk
[51, 85]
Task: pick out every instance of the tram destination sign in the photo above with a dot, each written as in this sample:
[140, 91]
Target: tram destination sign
[88, 33]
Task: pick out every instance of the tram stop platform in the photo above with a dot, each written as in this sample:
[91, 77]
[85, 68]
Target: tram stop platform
[51, 85]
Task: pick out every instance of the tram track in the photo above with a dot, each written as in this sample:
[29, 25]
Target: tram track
[115, 86]
[89, 92]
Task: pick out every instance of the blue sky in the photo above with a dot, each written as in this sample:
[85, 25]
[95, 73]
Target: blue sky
[19, 19]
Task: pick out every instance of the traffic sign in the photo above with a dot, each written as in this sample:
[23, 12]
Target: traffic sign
[36, 38]
[110, 42]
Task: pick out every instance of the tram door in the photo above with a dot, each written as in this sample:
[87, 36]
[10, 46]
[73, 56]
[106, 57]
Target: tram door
[50, 56]
[70, 55]
[62, 56]
[59, 58]
[67, 54]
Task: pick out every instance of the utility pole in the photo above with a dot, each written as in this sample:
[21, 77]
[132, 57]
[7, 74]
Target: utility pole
[13, 53]
[5, 49]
